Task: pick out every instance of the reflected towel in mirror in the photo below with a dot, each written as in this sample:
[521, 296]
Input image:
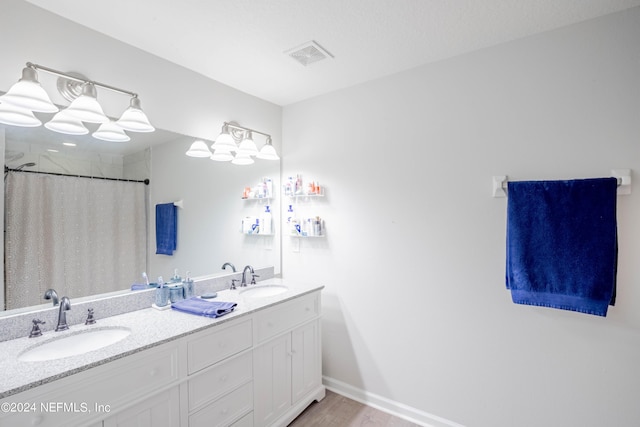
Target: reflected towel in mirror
[166, 228]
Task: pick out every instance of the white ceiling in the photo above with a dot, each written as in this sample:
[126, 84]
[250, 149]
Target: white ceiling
[241, 43]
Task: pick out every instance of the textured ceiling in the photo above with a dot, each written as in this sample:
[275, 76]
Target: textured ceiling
[241, 43]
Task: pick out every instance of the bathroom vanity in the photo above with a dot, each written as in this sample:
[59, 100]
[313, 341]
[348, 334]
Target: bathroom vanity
[257, 366]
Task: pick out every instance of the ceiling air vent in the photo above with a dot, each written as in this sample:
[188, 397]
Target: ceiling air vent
[308, 53]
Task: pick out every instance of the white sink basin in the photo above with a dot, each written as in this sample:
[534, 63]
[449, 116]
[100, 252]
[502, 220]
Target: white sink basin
[261, 291]
[74, 345]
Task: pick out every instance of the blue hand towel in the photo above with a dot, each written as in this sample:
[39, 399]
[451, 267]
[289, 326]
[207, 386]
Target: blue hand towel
[166, 228]
[201, 307]
[562, 244]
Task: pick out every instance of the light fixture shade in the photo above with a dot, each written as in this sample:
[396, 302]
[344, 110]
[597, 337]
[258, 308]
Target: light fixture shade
[17, 116]
[267, 152]
[247, 146]
[111, 132]
[222, 155]
[134, 119]
[198, 149]
[225, 140]
[86, 106]
[67, 124]
[28, 93]
[242, 159]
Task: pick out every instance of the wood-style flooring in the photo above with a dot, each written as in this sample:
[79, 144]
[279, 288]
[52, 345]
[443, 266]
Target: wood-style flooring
[338, 411]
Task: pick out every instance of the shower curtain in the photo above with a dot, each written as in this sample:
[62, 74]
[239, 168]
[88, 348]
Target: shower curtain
[78, 235]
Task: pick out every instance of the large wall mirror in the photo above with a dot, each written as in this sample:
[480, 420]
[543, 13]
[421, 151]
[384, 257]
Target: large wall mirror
[209, 226]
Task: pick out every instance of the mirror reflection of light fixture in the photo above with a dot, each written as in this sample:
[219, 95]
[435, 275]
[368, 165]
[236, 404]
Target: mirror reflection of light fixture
[242, 159]
[63, 122]
[238, 139]
[112, 132]
[199, 149]
[18, 116]
[28, 96]
[222, 155]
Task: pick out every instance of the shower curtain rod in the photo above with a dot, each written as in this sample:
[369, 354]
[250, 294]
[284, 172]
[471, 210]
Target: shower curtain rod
[145, 181]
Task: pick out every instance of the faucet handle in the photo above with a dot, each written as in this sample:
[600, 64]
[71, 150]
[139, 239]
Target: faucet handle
[90, 319]
[35, 329]
[253, 278]
[233, 283]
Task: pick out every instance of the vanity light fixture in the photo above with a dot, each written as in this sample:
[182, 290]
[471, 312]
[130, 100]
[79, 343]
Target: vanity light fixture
[28, 96]
[235, 139]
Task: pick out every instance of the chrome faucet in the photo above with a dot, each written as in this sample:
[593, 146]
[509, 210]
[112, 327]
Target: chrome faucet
[52, 295]
[65, 305]
[244, 277]
[228, 264]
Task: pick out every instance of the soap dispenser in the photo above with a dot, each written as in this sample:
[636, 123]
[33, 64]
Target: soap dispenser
[188, 286]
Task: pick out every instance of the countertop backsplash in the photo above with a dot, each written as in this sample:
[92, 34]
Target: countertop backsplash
[19, 325]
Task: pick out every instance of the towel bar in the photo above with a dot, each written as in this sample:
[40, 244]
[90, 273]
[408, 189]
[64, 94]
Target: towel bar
[623, 176]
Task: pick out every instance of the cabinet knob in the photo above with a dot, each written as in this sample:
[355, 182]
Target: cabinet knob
[222, 344]
[225, 411]
[270, 324]
[224, 378]
[153, 372]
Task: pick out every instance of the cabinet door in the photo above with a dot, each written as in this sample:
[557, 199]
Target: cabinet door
[161, 410]
[305, 360]
[272, 379]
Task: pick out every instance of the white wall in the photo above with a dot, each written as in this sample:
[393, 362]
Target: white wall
[173, 97]
[415, 308]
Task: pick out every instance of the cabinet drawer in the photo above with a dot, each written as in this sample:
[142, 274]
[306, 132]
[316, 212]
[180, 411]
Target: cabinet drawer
[219, 380]
[246, 421]
[209, 348]
[287, 315]
[76, 399]
[226, 409]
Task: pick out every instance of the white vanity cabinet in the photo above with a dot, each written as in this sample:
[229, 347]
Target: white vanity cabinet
[93, 395]
[160, 410]
[287, 360]
[258, 369]
[219, 386]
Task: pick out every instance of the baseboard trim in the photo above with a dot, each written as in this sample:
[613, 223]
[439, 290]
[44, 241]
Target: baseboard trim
[387, 405]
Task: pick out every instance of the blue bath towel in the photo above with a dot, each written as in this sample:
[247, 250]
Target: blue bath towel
[562, 244]
[201, 307]
[166, 228]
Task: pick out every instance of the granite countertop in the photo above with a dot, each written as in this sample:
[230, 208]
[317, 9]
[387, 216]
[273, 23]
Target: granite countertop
[149, 328]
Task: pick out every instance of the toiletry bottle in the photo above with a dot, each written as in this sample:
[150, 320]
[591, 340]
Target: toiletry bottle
[265, 221]
[317, 226]
[188, 286]
[176, 277]
[269, 185]
[299, 188]
[290, 220]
